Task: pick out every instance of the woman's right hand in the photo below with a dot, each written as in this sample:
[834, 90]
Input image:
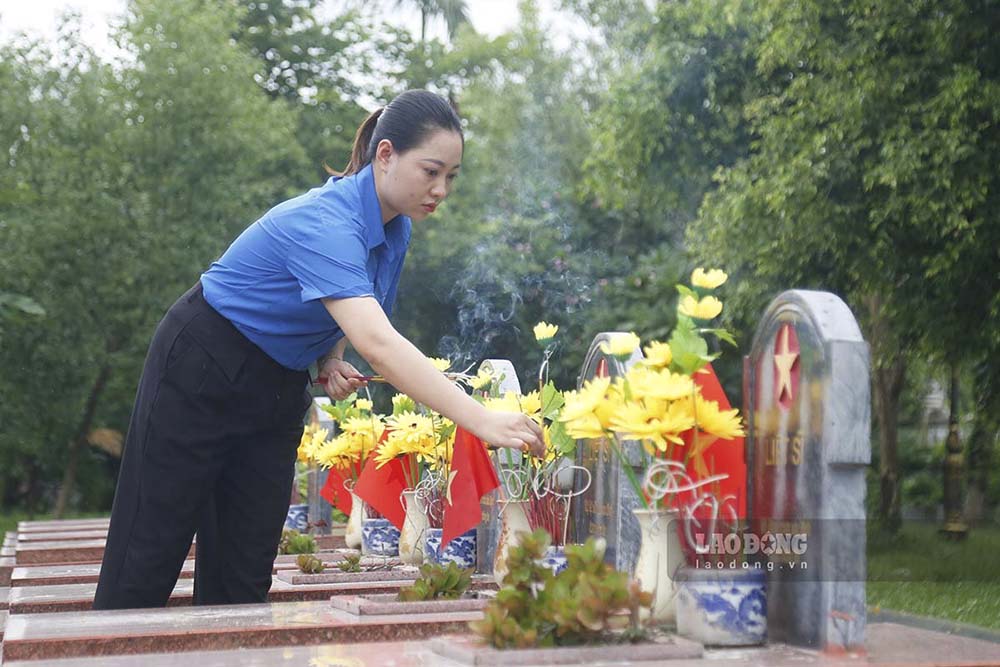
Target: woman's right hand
[513, 430]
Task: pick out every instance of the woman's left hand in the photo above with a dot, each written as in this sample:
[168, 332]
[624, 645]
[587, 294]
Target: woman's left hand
[341, 378]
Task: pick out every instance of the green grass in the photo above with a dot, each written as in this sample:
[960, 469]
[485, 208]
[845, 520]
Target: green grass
[919, 572]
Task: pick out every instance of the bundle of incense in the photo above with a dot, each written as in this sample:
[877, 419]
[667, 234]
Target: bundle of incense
[454, 377]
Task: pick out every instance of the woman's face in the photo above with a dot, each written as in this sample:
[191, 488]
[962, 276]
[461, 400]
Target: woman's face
[415, 182]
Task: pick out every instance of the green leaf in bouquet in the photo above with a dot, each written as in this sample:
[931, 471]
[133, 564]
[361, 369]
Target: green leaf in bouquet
[721, 334]
[552, 401]
[689, 349]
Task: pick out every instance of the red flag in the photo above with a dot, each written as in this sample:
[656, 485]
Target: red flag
[382, 488]
[471, 477]
[334, 492]
[721, 456]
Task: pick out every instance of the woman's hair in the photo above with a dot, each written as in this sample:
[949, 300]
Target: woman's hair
[406, 121]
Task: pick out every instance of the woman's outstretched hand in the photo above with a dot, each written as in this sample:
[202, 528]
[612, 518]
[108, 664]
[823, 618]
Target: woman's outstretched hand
[341, 378]
[513, 430]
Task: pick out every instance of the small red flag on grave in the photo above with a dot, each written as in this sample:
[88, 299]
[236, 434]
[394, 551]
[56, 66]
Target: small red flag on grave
[714, 456]
[382, 488]
[334, 492]
[472, 476]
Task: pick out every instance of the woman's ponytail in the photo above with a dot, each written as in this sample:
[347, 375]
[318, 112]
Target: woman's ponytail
[360, 156]
[406, 122]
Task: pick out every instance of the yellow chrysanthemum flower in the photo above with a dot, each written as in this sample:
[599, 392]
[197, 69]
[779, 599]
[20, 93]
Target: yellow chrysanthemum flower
[724, 424]
[584, 427]
[621, 345]
[584, 401]
[482, 380]
[708, 279]
[659, 384]
[441, 364]
[363, 404]
[336, 453]
[402, 403]
[658, 354]
[705, 309]
[545, 331]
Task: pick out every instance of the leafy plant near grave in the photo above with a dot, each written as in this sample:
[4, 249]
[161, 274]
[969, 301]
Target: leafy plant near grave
[587, 603]
[294, 542]
[438, 582]
[309, 564]
[351, 563]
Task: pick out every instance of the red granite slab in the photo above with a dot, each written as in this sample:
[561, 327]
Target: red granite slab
[389, 603]
[88, 573]
[7, 564]
[38, 636]
[62, 525]
[334, 575]
[80, 597]
[61, 536]
[72, 551]
[888, 645]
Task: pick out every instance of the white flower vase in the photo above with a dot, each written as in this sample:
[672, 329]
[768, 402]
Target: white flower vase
[513, 524]
[352, 532]
[414, 534]
[660, 558]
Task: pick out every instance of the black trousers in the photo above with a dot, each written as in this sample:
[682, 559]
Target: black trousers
[210, 450]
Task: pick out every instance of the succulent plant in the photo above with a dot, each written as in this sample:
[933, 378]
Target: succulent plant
[588, 602]
[438, 582]
[351, 563]
[309, 564]
[294, 542]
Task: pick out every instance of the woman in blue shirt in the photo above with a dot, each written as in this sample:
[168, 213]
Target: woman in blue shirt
[218, 414]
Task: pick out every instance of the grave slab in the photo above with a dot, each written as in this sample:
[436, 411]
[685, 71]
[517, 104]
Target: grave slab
[3, 624]
[88, 573]
[61, 536]
[63, 525]
[103, 633]
[4, 598]
[887, 644]
[72, 551]
[7, 565]
[80, 597]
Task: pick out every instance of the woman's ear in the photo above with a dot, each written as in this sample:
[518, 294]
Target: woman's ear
[383, 153]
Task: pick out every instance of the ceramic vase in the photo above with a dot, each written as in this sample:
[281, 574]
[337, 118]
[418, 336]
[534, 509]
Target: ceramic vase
[660, 558]
[297, 518]
[555, 559]
[414, 534]
[722, 606]
[460, 550]
[513, 524]
[352, 532]
[379, 538]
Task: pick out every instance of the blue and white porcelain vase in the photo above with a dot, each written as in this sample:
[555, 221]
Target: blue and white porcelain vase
[297, 518]
[461, 550]
[379, 538]
[722, 607]
[555, 559]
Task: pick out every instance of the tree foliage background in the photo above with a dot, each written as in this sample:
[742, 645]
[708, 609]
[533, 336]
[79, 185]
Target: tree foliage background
[845, 146]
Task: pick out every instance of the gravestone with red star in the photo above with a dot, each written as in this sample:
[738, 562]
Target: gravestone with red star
[808, 413]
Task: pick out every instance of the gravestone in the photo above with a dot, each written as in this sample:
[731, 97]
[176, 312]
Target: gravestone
[808, 412]
[605, 509]
[488, 531]
[320, 511]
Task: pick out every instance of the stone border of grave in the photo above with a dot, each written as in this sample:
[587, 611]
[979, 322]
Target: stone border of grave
[471, 651]
[401, 573]
[389, 603]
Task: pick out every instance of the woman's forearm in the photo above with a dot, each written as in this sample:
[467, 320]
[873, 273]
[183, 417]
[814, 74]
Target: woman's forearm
[402, 364]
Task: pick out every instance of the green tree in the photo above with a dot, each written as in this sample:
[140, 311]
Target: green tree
[127, 182]
[870, 177]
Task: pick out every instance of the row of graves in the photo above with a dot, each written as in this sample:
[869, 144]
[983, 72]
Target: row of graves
[652, 532]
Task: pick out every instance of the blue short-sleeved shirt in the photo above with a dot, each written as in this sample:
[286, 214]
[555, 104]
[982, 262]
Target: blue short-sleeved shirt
[329, 242]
